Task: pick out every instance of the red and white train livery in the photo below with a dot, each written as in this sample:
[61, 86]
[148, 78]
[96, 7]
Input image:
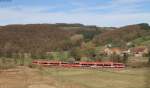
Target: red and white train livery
[80, 64]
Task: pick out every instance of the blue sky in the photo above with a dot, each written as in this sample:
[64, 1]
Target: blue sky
[90, 12]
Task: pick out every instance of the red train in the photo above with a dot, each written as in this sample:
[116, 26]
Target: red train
[80, 64]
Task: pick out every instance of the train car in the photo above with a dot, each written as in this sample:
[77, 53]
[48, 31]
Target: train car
[80, 64]
[86, 64]
[47, 63]
[108, 65]
[118, 65]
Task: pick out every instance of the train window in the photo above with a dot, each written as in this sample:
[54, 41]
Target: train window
[107, 64]
[44, 63]
[99, 64]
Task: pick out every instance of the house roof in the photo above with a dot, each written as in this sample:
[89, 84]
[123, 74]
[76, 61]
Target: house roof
[138, 49]
[115, 49]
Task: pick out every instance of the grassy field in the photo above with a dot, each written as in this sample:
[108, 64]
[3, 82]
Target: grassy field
[127, 78]
[24, 77]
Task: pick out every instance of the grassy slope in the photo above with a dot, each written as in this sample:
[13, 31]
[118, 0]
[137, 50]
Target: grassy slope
[142, 40]
[132, 78]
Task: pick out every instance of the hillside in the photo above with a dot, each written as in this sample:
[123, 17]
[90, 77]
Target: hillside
[145, 40]
[40, 38]
[123, 35]
[31, 38]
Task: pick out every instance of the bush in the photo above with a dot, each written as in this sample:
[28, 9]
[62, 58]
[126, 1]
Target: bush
[6, 63]
[85, 59]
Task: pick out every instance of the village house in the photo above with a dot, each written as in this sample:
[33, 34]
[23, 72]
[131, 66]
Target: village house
[139, 51]
[110, 51]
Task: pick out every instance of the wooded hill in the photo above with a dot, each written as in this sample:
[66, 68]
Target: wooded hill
[122, 35]
[41, 38]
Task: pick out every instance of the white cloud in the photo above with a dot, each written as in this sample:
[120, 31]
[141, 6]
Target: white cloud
[85, 18]
[122, 12]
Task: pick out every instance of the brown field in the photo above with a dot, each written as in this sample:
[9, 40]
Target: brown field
[24, 77]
